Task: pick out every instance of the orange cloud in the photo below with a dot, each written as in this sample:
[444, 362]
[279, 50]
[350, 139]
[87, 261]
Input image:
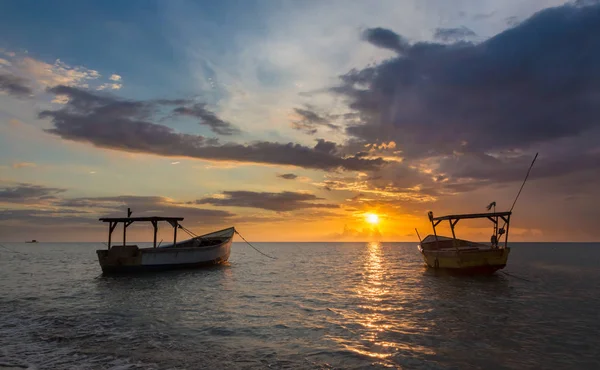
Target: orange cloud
[24, 165]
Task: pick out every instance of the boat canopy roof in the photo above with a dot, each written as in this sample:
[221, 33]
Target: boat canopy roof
[471, 215]
[114, 221]
[134, 219]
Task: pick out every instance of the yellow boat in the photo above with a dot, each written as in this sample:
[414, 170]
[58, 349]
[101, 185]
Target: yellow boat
[463, 256]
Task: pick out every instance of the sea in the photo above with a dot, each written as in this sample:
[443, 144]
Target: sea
[316, 306]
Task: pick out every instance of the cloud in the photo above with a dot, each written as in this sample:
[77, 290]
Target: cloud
[324, 146]
[288, 176]
[24, 165]
[309, 121]
[512, 21]
[111, 86]
[482, 16]
[143, 206]
[27, 193]
[43, 217]
[532, 87]
[397, 182]
[109, 122]
[27, 76]
[349, 233]
[60, 99]
[208, 118]
[453, 34]
[59, 73]
[279, 202]
[387, 39]
[14, 85]
[56, 214]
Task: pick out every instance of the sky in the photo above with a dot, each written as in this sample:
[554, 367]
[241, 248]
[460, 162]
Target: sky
[299, 120]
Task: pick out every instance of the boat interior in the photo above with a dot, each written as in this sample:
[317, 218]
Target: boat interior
[444, 242]
[207, 240]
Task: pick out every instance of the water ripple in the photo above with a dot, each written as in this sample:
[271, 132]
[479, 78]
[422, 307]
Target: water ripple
[319, 306]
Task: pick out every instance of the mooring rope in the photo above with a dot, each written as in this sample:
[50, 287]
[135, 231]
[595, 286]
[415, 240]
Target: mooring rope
[516, 277]
[190, 232]
[10, 250]
[256, 249]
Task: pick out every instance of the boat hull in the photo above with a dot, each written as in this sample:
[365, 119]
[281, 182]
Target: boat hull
[467, 261]
[130, 258]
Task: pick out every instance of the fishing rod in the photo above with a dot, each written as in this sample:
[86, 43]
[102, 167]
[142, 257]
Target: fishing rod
[524, 181]
[519, 193]
[419, 236]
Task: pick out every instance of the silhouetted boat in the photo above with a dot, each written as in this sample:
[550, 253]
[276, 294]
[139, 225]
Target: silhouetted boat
[463, 256]
[209, 249]
[32, 241]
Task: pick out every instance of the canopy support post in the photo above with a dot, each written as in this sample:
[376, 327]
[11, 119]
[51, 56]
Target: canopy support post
[454, 241]
[433, 225]
[125, 224]
[111, 228]
[175, 225]
[437, 244]
[506, 236]
[155, 225]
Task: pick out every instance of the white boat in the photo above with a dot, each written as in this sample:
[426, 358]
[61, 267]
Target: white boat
[204, 250]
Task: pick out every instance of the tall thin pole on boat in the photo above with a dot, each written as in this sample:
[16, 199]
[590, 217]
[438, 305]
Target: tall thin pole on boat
[524, 181]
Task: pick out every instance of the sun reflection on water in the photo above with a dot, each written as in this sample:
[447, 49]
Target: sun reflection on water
[374, 325]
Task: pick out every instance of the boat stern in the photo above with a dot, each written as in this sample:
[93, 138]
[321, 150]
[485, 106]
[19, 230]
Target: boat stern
[119, 257]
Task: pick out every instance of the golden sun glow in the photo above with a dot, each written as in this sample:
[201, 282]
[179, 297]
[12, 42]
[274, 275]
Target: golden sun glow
[372, 218]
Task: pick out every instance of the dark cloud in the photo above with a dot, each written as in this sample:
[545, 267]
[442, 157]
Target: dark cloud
[116, 202]
[387, 39]
[324, 146]
[143, 206]
[530, 87]
[310, 121]
[586, 2]
[15, 85]
[288, 176]
[69, 223]
[453, 34]
[42, 217]
[53, 204]
[512, 21]
[207, 118]
[480, 167]
[109, 122]
[280, 202]
[27, 193]
[56, 218]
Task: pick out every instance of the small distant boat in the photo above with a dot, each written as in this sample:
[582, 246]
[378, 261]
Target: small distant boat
[31, 241]
[209, 249]
[463, 256]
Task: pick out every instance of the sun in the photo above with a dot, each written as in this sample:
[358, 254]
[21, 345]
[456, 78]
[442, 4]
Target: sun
[372, 218]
